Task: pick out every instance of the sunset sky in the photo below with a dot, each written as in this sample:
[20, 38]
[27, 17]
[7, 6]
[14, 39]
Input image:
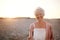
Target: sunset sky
[25, 8]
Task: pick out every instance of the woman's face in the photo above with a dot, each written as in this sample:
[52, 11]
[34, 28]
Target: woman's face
[39, 16]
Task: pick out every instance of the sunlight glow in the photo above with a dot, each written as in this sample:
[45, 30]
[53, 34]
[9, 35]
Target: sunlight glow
[25, 8]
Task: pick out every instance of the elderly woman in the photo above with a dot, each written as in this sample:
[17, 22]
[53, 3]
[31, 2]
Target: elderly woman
[40, 30]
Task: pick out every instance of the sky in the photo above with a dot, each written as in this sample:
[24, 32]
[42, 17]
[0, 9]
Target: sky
[26, 8]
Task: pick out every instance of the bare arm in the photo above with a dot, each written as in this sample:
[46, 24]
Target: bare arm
[51, 37]
[30, 37]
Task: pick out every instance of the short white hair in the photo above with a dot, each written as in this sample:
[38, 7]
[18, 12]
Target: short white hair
[40, 10]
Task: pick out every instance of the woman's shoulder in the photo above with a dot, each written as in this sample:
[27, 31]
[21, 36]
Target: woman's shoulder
[49, 25]
[32, 25]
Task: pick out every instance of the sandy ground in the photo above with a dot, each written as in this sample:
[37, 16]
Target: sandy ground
[17, 29]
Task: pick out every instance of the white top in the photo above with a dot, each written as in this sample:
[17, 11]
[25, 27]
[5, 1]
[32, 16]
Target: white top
[39, 34]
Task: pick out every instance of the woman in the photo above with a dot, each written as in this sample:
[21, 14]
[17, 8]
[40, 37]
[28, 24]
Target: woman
[40, 30]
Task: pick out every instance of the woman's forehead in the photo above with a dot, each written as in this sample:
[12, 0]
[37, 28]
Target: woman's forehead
[39, 13]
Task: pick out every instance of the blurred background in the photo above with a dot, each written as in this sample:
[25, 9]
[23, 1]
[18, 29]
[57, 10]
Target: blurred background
[18, 28]
[17, 15]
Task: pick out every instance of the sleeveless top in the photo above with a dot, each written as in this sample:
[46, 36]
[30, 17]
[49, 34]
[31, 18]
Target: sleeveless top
[39, 33]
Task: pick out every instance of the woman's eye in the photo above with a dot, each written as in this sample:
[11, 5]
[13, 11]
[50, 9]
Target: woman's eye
[37, 17]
